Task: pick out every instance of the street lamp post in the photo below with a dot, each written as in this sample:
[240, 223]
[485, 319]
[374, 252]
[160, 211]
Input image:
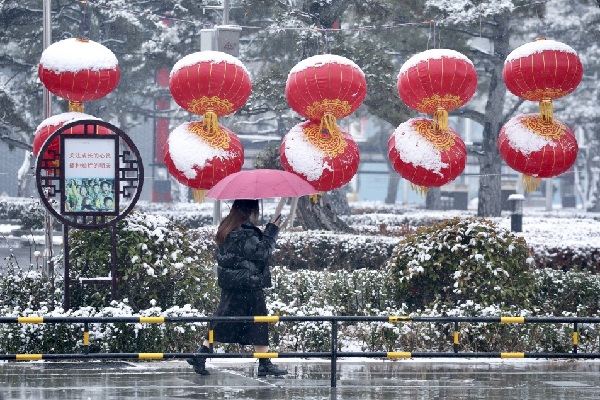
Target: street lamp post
[48, 266]
[516, 218]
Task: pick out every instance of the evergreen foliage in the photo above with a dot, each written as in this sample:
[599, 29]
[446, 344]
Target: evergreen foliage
[461, 260]
[157, 262]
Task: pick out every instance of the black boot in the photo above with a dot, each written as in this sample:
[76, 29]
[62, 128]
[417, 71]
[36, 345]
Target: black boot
[266, 367]
[199, 362]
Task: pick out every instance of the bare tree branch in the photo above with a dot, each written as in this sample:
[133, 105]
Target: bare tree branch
[12, 142]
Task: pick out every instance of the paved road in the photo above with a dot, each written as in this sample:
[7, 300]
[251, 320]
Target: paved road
[357, 379]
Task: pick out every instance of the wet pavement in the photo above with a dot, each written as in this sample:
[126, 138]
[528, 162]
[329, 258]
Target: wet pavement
[356, 379]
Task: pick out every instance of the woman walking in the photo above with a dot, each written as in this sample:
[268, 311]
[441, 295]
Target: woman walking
[243, 274]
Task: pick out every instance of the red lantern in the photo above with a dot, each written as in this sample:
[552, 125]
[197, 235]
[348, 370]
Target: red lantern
[326, 88]
[210, 83]
[52, 124]
[536, 148]
[542, 71]
[327, 161]
[79, 70]
[437, 81]
[425, 156]
[199, 159]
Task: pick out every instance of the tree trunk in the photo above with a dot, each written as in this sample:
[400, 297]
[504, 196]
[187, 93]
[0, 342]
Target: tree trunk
[490, 162]
[24, 176]
[320, 215]
[392, 187]
[433, 200]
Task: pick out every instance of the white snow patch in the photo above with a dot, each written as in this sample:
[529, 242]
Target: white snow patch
[432, 54]
[188, 150]
[72, 55]
[538, 46]
[303, 156]
[63, 118]
[323, 59]
[414, 149]
[213, 57]
[523, 139]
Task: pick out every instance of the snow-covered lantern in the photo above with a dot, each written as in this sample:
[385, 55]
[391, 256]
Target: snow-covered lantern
[55, 122]
[200, 160]
[79, 70]
[327, 162]
[323, 89]
[426, 156]
[541, 71]
[326, 88]
[210, 83]
[437, 81]
[537, 148]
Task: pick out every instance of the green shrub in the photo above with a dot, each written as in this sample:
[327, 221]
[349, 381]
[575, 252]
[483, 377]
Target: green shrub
[157, 261]
[558, 292]
[459, 260]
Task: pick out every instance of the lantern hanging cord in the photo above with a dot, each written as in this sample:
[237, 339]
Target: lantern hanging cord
[83, 27]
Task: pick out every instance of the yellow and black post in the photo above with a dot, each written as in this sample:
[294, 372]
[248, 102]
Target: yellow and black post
[575, 337]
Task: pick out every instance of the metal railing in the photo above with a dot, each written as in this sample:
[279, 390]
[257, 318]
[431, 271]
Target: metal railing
[333, 354]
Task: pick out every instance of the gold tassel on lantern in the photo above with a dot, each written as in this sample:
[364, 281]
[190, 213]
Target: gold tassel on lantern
[199, 195]
[329, 124]
[530, 183]
[546, 111]
[420, 190]
[440, 119]
[75, 106]
[210, 123]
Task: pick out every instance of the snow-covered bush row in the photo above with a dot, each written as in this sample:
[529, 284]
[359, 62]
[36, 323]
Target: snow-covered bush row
[459, 260]
[157, 259]
[318, 293]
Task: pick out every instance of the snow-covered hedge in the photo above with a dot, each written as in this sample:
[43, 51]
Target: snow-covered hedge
[461, 260]
[361, 292]
[157, 261]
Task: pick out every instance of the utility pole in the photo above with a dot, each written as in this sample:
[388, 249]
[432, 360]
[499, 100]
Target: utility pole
[226, 39]
[225, 12]
[48, 264]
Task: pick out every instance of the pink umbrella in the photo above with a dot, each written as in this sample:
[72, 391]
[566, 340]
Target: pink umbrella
[260, 184]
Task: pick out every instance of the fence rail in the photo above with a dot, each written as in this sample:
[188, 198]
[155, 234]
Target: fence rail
[333, 354]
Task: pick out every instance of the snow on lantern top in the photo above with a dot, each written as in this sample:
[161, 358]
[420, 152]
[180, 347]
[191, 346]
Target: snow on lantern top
[415, 149]
[323, 59]
[198, 161]
[304, 157]
[61, 119]
[538, 46]
[327, 163]
[79, 70]
[432, 54]
[74, 55]
[210, 83]
[437, 81]
[213, 57]
[425, 156]
[326, 86]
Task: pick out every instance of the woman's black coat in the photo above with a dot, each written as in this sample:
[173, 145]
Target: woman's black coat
[242, 273]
